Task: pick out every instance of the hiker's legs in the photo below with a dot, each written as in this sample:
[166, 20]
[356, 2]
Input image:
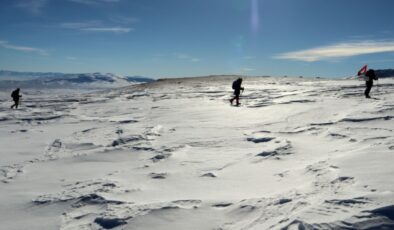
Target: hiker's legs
[16, 103]
[368, 88]
[237, 99]
[12, 106]
[232, 99]
[236, 96]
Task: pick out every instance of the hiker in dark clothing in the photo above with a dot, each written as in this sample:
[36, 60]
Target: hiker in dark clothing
[370, 74]
[15, 96]
[237, 91]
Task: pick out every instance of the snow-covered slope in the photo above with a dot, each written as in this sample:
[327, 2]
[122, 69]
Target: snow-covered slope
[11, 79]
[173, 154]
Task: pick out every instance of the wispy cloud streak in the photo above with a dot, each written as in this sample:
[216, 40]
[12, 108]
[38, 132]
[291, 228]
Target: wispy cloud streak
[339, 50]
[246, 69]
[124, 20]
[94, 2]
[95, 26]
[248, 57]
[108, 29]
[79, 25]
[187, 57]
[7, 45]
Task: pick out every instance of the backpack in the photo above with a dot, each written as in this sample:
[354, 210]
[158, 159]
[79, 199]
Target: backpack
[15, 94]
[235, 84]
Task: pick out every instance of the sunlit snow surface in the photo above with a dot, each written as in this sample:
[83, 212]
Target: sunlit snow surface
[297, 154]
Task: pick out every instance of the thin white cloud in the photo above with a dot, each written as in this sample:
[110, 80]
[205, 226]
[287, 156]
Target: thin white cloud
[7, 45]
[159, 55]
[186, 57]
[124, 20]
[108, 29]
[94, 2]
[79, 25]
[32, 6]
[95, 26]
[183, 56]
[246, 69]
[339, 50]
[248, 57]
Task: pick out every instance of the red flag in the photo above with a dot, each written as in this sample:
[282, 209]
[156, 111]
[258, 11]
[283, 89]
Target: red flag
[362, 71]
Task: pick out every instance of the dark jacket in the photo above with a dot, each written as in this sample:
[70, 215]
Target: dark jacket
[371, 75]
[237, 86]
[15, 95]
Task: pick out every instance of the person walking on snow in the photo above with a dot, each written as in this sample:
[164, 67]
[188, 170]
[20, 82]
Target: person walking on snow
[370, 76]
[237, 91]
[15, 96]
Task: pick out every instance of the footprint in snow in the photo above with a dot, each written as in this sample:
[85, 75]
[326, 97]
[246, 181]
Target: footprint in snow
[160, 157]
[222, 205]
[212, 175]
[158, 175]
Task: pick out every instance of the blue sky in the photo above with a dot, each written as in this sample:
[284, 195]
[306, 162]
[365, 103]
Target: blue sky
[173, 38]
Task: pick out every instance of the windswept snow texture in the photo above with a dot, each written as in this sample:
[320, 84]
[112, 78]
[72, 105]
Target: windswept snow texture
[173, 154]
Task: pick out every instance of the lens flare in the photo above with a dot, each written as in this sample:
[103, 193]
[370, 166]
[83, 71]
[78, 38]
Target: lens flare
[254, 15]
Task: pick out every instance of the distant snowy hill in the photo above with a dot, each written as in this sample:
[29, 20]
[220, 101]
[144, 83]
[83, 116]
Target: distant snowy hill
[13, 79]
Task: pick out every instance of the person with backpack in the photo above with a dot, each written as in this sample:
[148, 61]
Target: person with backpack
[370, 76]
[237, 91]
[16, 97]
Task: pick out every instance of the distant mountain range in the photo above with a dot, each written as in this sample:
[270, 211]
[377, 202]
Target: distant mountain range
[383, 73]
[13, 79]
